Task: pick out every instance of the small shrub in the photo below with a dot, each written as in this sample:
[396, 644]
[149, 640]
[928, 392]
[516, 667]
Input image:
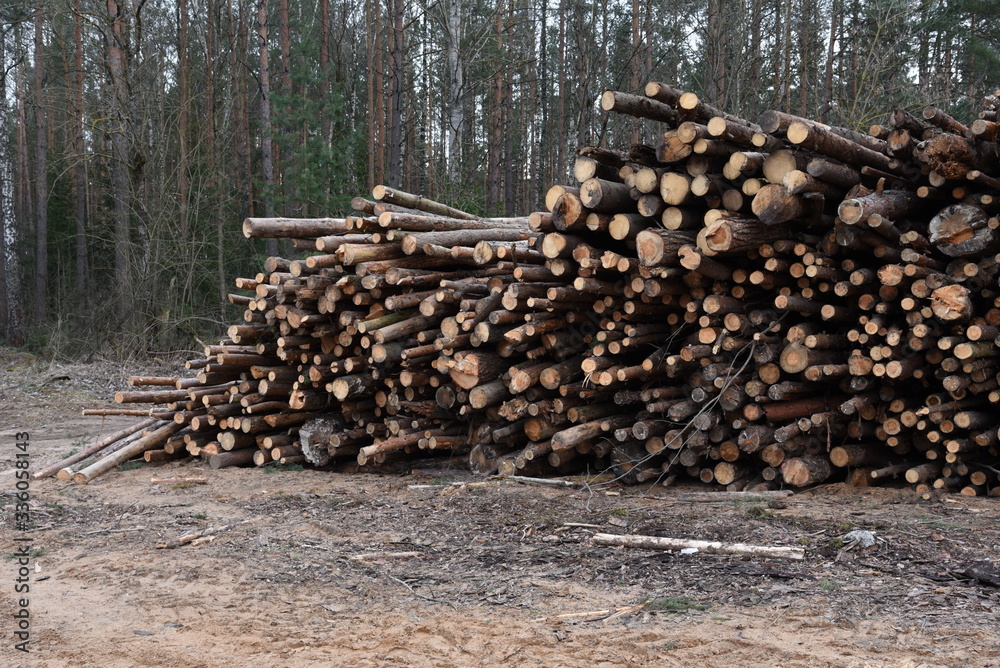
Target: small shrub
[675, 604]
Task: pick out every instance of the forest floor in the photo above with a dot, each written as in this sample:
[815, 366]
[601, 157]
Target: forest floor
[491, 571]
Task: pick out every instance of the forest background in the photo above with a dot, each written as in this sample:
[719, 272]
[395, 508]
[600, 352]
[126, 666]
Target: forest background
[135, 135]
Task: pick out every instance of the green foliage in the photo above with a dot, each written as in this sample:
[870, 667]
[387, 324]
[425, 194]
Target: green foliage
[275, 468]
[675, 604]
[828, 586]
[322, 173]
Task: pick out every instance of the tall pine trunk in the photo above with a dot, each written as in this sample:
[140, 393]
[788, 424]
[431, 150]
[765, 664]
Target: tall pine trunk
[543, 160]
[11, 309]
[830, 55]
[456, 90]
[182, 116]
[494, 119]
[324, 81]
[267, 156]
[41, 170]
[378, 108]
[80, 155]
[119, 151]
[510, 166]
[284, 41]
[560, 168]
[397, 77]
[370, 83]
[238, 45]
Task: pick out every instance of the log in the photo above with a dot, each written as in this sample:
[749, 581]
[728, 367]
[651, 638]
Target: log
[96, 447]
[385, 194]
[243, 457]
[803, 471]
[657, 248]
[638, 106]
[963, 230]
[275, 228]
[821, 140]
[151, 441]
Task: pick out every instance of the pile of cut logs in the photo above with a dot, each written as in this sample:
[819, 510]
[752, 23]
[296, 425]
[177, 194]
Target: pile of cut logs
[750, 304]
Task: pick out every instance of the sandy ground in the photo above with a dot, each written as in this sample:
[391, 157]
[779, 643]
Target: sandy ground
[487, 567]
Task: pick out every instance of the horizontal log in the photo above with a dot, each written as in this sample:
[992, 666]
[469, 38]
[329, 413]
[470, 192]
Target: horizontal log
[707, 547]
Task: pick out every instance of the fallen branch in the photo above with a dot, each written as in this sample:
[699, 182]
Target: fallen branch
[374, 556]
[95, 448]
[173, 481]
[722, 497]
[198, 537]
[598, 615]
[708, 547]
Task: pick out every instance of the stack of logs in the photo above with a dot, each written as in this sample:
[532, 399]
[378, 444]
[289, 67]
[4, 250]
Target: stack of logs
[750, 304]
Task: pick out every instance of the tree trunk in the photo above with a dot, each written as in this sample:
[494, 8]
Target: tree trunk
[210, 150]
[636, 68]
[561, 158]
[41, 171]
[716, 52]
[284, 40]
[80, 151]
[379, 108]
[326, 125]
[456, 90]
[397, 82]
[237, 45]
[805, 53]
[495, 121]
[370, 81]
[120, 154]
[267, 155]
[182, 115]
[9, 222]
[510, 166]
[544, 174]
[835, 16]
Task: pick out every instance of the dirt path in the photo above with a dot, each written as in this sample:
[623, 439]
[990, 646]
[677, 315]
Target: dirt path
[277, 581]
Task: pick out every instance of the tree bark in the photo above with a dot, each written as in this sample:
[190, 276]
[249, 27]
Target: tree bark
[456, 90]
[10, 271]
[267, 148]
[370, 18]
[182, 116]
[41, 170]
[397, 83]
[120, 153]
[80, 156]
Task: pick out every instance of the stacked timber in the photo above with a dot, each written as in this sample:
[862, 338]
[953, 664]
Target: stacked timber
[753, 304]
